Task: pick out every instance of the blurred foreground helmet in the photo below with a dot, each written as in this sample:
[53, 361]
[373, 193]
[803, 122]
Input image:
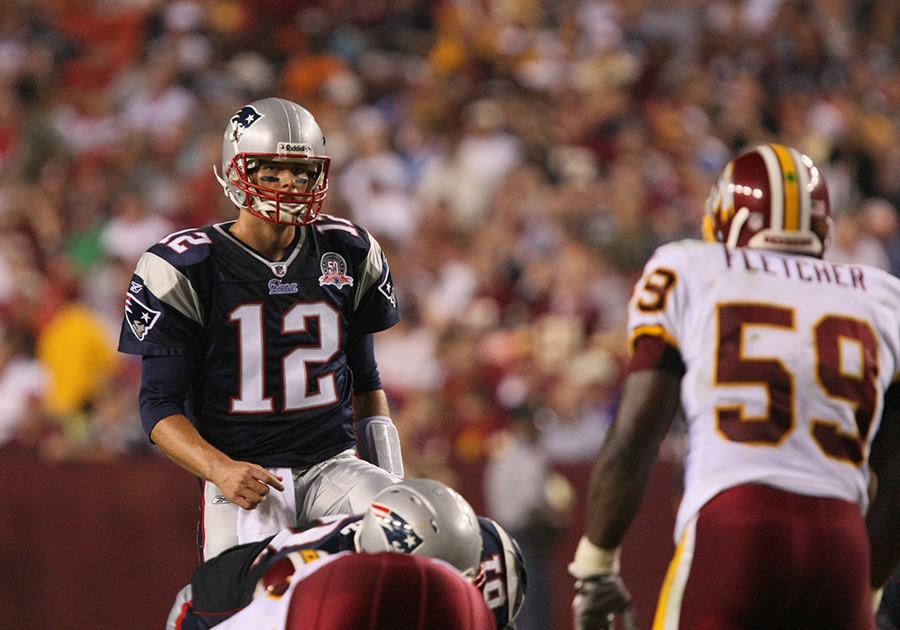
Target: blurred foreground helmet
[426, 518]
[771, 197]
[387, 591]
[274, 129]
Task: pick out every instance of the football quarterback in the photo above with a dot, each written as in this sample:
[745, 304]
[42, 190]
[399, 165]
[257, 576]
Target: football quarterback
[258, 372]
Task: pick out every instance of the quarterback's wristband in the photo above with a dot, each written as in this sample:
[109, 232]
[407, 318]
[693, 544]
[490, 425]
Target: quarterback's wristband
[378, 442]
[593, 560]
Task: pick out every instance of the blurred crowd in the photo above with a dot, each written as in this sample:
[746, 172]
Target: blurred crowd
[517, 159]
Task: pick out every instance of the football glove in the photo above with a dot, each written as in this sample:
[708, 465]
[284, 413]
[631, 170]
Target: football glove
[598, 599]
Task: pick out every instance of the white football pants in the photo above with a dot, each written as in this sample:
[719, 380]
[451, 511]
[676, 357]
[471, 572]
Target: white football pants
[343, 484]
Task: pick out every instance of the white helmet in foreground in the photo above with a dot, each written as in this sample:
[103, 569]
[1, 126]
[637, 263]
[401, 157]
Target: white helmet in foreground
[426, 518]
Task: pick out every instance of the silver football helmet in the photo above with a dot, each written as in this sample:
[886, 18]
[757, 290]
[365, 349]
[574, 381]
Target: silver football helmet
[426, 518]
[278, 130]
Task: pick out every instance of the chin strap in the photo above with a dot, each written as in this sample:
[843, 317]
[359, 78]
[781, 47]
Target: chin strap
[378, 442]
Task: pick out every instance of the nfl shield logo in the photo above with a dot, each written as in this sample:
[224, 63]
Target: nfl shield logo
[140, 317]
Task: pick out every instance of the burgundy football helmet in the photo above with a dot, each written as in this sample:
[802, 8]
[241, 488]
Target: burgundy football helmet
[387, 591]
[771, 197]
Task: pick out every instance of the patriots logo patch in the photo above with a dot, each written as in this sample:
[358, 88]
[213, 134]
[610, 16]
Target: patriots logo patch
[242, 120]
[386, 287]
[139, 316]
[400, 535]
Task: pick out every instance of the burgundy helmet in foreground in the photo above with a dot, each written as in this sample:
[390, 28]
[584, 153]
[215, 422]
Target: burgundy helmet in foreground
[771, 197]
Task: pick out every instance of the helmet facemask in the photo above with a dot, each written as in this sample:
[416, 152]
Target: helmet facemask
[291, 207]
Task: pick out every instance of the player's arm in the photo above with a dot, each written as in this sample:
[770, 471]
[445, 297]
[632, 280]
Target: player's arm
[377, 439]
[243, 483]
[883, 517]
[164, 383]
[650, 399]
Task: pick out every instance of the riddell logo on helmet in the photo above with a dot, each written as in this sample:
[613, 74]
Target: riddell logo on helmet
[286, 148]
[786, 239]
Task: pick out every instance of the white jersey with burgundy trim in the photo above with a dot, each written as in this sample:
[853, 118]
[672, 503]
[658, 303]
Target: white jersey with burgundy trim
[786, 357]
[227, 582]
[272, 612]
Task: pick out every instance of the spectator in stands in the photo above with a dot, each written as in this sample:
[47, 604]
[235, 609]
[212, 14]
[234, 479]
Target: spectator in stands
[23, 383]
[524, 494]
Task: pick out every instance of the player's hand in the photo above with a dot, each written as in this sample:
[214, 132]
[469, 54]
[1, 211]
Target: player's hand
[598, 599]
[245, 484]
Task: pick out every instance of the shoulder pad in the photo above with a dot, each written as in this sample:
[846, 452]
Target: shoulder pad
[168, 284]
[342, 229]
[185, 248]
[679, 249]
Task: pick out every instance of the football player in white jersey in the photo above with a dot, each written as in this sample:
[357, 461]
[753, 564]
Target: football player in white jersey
[382, 591]
[782, 363]
[420, 517]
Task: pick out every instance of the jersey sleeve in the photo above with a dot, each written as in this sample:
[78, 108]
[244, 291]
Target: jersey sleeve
[226, 583]
[375, 302]
[655, 312]
[163, 310]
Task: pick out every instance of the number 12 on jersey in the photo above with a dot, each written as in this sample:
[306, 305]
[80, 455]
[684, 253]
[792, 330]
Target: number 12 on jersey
[252, 397]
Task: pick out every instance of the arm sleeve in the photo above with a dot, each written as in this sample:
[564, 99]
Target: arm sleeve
[361, 359]
[165, 381]
[225, 584]
[164, 313]
[375, 302]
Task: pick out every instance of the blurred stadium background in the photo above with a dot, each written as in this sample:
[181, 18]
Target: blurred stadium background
[518, 160]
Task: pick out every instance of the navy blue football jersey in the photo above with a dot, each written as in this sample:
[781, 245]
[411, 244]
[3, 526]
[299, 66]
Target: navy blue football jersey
[225, 584]
[272, 385]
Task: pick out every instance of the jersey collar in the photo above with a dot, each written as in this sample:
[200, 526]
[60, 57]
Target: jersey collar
[279, 267]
